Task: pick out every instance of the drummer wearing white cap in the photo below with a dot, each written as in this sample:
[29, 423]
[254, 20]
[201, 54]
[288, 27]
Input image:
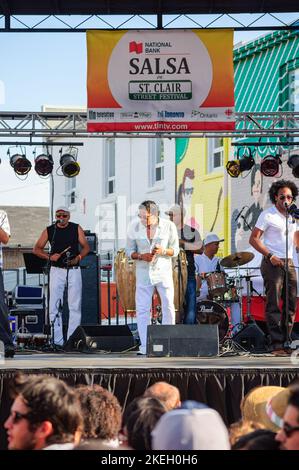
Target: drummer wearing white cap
[207, 262]
[65, 237]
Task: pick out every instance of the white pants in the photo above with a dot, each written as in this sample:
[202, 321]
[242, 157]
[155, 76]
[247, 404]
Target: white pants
[143, 298]
[57, 285]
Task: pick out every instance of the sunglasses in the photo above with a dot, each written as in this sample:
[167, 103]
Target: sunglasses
[62, 216]
[282, 198]
[16, 416]
[289, 430]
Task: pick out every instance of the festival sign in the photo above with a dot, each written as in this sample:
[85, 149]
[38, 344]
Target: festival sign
[160, 81]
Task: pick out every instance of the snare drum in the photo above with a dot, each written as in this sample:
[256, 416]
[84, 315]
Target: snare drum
[216, 284]
[39, 340]
[212, 313]
[24, 339]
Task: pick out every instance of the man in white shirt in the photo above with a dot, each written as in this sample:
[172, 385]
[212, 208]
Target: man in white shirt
[271, 226]
[152, 242]
[5, 333]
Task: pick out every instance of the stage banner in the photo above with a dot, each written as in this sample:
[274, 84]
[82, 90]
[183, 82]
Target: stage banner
[160, 81]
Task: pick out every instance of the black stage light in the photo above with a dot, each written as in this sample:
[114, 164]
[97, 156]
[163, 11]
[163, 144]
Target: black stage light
[235, 167]
[270, 165]
[69, 165]
[20, 164]
[293, 163]
[43, 164]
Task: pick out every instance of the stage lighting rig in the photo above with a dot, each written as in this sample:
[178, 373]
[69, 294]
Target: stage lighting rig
[68, 163]
[43, 164]
[20, 162]
[270, 165]
[235, 167]
[293, 162]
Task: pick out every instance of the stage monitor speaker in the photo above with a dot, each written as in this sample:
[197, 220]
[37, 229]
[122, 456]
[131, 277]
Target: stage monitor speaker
[89, 338]
[182, 340]
[251, 338]
[90, 293]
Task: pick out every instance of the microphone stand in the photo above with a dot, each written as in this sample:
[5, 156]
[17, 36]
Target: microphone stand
[286, 283]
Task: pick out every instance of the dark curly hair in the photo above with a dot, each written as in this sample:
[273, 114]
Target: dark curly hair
[275, 187]
[101, 412]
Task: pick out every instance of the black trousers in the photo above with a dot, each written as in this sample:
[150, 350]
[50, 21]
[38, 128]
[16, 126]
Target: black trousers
[275, 287]
[5, 333]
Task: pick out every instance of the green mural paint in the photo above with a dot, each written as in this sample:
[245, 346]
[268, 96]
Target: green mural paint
[181, 146]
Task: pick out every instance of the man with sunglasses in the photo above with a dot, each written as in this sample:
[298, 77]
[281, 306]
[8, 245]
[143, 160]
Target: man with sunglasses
[271, 226]
[152, 242]
[288, 436]
[65, 238]
[45, 414]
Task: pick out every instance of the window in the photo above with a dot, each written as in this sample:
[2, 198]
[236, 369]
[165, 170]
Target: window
[109, 154]
[156, 161]
[294, 90]
[70, 191]
[215, 154]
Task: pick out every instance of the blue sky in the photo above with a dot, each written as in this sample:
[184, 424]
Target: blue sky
[44, 68]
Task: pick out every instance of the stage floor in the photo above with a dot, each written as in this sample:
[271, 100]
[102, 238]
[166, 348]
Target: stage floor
[132, 361]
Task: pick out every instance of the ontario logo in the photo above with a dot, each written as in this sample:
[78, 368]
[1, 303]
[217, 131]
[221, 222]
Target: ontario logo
[136, 47]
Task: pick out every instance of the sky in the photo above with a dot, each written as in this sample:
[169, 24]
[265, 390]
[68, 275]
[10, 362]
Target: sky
[49, 69]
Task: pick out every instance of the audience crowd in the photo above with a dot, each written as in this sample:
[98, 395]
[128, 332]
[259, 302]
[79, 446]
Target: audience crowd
[48, 414]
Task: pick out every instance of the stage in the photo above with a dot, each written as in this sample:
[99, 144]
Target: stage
[220, 382]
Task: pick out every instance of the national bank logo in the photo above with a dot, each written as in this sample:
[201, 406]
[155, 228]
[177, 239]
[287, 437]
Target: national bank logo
[136, 47]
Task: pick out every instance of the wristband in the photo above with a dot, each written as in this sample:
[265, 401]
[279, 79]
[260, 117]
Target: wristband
[139, 256]
[269, 255]
[164, 253]
[80, 258]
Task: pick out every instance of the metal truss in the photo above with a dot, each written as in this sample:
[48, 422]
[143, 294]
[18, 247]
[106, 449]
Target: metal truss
[80, 24]
[53, 125]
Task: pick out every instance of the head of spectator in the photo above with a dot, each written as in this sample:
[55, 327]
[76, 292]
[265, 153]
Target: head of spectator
[195, 429]
[139, 419]
[288, 436]
[45, 414]
[260, 439]
[241, 428]
[101, 413]
[265, 406]
[167, 394]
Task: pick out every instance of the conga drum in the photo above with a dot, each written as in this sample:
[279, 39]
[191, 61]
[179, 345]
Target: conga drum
[125, 276]
[180, 275]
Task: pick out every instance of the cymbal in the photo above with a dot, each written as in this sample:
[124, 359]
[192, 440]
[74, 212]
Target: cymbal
[237, 259]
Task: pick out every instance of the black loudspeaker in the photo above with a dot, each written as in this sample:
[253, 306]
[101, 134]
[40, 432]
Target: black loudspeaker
[89, 338]
[90, 293]
[182, 340]
[251, 338]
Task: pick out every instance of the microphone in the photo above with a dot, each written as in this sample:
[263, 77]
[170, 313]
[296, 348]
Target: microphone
[240, 213]
[293, 211]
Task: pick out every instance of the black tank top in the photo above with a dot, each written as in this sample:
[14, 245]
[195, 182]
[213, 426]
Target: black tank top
[62, 238]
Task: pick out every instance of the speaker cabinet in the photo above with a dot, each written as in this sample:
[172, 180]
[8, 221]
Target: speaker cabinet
[182, 340]
[251, 338]
[90, 293]
[88, 338]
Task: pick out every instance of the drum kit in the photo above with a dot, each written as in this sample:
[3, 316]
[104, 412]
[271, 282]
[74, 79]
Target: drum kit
[225, 291]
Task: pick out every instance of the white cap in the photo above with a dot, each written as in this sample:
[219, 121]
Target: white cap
[62, 209]
[195, 429]
[212, 238]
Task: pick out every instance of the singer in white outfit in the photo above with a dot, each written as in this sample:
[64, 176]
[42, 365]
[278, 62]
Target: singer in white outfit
[152, 242]
[64, 237]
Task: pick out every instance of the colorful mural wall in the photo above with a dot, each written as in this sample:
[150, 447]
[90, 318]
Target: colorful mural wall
[203, 194]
